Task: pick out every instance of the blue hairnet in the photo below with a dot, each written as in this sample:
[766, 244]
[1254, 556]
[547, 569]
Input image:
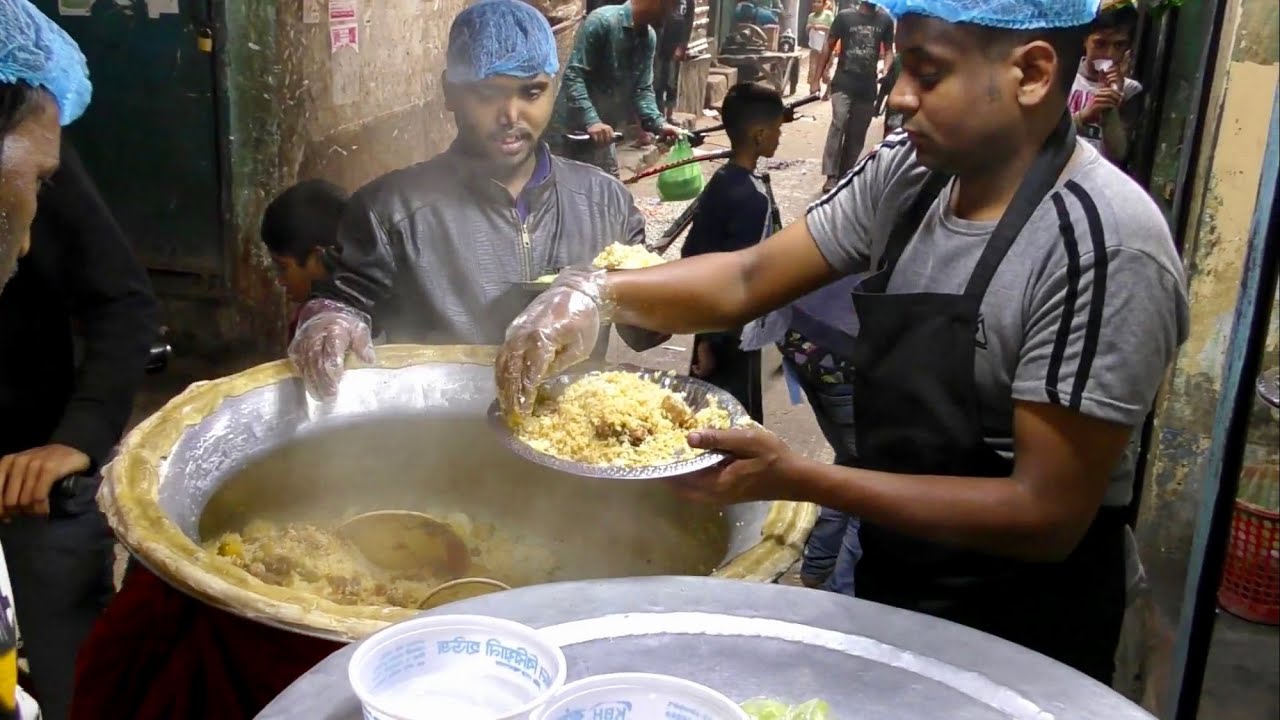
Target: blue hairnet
[35, 51]
[500, 37]
[1008, 14]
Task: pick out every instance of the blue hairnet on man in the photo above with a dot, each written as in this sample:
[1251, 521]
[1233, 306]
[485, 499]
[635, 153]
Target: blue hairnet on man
[1018, 301]
[440, 252]
[500, 38]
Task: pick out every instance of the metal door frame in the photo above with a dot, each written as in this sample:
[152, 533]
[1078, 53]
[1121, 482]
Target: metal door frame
[1230, 436]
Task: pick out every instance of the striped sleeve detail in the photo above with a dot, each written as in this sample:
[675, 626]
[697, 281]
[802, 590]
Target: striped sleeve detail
[1063, 337]
[1093, 330]
[1063, 340]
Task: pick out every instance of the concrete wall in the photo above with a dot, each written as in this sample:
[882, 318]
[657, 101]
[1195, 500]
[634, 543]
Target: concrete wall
[1225, 191]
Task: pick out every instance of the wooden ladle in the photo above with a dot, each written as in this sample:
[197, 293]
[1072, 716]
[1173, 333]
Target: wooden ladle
[403, 541]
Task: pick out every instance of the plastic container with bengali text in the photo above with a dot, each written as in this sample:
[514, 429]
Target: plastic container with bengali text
[462, 667]
[638, 696]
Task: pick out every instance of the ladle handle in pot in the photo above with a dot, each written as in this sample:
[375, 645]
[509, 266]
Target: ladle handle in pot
[494, 585]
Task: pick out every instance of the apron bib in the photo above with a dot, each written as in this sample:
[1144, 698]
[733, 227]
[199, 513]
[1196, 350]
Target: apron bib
[917, 411]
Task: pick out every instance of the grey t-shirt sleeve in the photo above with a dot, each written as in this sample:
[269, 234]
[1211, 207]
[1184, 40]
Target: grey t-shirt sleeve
[1104, 325]
[843, 221]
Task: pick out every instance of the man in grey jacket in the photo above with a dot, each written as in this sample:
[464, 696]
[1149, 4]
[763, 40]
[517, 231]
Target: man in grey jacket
[435, 253]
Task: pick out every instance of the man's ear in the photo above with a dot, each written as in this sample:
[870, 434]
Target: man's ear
[1037, 64]
[449, 94]
[317, 260]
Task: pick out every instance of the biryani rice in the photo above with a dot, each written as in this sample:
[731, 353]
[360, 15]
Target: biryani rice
[312, 558]
[616, 419]
[626, 257]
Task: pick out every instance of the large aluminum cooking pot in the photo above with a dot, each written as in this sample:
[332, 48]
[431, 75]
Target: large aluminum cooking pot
[409, 433]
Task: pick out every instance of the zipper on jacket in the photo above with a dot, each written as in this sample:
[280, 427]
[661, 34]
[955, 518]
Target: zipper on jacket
[526, 247]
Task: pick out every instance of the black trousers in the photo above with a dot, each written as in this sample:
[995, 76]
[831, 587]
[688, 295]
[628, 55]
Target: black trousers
[738, 373]
[666, 79]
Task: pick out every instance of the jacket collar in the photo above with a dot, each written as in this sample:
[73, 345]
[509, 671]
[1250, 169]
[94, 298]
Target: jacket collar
[534, 193]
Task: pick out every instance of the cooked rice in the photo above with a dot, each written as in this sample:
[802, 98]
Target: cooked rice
[616, 257]
[618, 419]
[626, 257]
[313, 559]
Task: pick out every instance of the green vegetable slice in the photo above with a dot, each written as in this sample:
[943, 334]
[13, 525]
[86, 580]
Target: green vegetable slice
[769, 709]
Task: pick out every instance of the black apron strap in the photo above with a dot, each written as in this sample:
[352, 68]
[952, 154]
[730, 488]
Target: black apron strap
[1035, 187]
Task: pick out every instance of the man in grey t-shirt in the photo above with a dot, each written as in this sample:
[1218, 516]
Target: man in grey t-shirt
[1034, 340]
[1022, 299]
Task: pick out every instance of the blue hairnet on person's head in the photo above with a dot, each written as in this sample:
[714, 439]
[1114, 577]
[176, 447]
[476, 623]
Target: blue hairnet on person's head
[35, 51]
[500, 37]
[1006, 14]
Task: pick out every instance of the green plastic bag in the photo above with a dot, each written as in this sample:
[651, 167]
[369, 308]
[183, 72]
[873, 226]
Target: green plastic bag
[684, 182]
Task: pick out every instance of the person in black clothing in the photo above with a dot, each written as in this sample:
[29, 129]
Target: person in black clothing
[673, 45]
[62, 410]
[865, 36]
[734, 212]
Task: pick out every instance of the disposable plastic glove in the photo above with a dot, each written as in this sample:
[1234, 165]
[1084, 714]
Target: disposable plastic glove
[327, 329]
[557, 331]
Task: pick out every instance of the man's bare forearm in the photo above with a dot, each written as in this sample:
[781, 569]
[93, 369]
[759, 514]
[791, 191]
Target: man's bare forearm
[1115, 136]
[719, 291]
[824, 59]
[698, 294]
[992, 515]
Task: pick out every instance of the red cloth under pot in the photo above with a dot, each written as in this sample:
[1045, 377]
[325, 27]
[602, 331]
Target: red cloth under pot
[158, 654]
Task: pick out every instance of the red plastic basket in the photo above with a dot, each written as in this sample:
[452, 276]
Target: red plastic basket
[1251, 579]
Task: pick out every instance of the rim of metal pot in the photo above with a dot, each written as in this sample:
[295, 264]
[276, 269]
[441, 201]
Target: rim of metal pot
[129, 498]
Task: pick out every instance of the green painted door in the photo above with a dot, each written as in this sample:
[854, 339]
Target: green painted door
[150, 136]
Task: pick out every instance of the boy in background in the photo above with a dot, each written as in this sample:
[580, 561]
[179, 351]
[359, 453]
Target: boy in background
[1101, 96]
[736, 211]
[300, 230]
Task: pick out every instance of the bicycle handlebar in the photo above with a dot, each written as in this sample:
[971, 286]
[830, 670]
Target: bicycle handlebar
[697, 137]
[584, 137]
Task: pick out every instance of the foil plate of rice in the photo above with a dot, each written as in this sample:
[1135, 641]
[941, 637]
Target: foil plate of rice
[625, 422]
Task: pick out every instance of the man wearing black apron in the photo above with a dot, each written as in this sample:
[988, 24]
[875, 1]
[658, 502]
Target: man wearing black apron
[1020, 302]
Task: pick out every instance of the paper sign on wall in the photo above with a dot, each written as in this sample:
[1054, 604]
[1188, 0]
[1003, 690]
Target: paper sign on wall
[344, 36]
[344, 25]
[342, 11]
